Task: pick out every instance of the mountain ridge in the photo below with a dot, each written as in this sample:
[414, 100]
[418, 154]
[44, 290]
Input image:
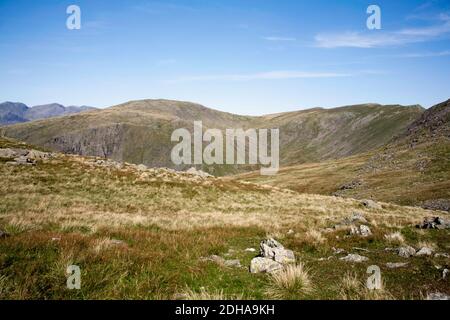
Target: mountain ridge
[17, 112]
[139, 131]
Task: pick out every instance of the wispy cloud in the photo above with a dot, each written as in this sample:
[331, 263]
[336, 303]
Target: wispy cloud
[271, 75]
[383, 39]
[423, 54]
[279, 38]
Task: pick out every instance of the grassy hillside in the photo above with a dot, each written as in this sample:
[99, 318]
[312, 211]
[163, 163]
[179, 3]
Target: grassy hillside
[139, 131]
[144, 233]
[413, 169]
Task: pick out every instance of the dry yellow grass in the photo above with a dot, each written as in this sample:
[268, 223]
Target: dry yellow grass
[291, 283]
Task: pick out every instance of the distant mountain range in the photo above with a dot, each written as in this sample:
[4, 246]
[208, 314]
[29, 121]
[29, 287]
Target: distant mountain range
[140, 131]
[16, 112]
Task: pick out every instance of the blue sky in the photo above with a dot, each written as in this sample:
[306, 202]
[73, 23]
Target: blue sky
[246, 56]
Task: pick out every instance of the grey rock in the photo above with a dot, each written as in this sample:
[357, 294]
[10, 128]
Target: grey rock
[406, 251]
[445, 273]
[362, 230]
[395, 265]
[365, 231]
[272, 249]
[261, 264]
[438, 296]
[434, 223]
[424, 252]
[7, 153]
[371, 204]
[354, 258]
[235, 263]
[215, 258]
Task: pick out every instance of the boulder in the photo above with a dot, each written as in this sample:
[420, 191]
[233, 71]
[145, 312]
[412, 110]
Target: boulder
[261, 264]
[362, 230]
[438, 296]
[395, 265]
[38, 155]
[8, 153]
[371, 204]
[235, 263]
[406, 251]
[354, 258]
[365, 231]
[424, 252]
[272, 249]
[434, 223]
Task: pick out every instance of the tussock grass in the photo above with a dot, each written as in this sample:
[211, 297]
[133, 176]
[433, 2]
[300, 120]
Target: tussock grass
[395, 238]
[203, 294]
[291, 283]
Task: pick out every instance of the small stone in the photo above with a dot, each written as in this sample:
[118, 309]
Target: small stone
[261, 264]
[424, 252]
[354, 258]
[235, 263]
[290, 232]
[250, 250]
[56, 239]
[445, 272]
[406, 251]
[438, 296]
[217, 259]
[371, 204]
[365, 231]
[395, 265]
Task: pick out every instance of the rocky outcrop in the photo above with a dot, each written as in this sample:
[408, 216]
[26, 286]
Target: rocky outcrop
[354, 258]
[273, 256]
[434, 223]
[24, 156]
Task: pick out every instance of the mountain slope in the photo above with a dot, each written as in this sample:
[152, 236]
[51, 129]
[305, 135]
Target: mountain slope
[154, 233]
[413, 169]
[139, 131]
[13, 112]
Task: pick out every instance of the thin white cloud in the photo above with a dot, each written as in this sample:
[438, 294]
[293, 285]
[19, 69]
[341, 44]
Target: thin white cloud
[374, 39]
[424, 54]
[272, 75]
[279, 38]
